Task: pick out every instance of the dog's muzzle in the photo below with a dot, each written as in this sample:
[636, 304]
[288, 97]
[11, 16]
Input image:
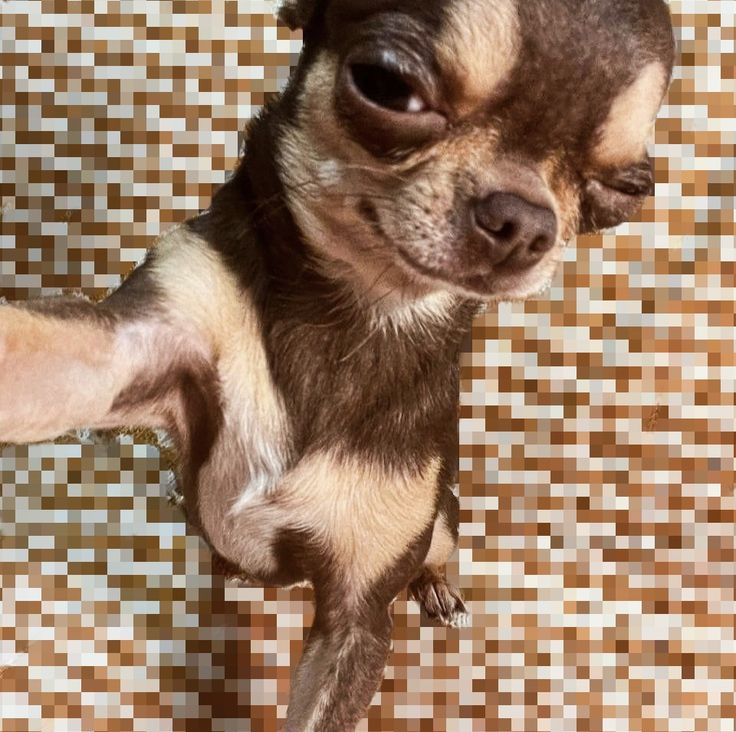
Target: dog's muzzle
[516, 232]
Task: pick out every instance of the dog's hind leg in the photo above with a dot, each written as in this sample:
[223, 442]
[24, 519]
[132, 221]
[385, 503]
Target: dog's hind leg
[439, 600]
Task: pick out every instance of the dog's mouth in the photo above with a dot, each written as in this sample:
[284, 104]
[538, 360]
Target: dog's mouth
[491, 258]
[483, 281]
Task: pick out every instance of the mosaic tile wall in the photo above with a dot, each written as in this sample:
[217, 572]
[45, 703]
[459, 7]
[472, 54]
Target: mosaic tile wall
[598, 429]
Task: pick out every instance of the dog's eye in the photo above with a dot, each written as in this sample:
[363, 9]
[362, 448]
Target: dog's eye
[389, 101]
[386, 88]
[612, 198]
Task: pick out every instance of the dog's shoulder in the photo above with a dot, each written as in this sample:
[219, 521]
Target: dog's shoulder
[195, 289]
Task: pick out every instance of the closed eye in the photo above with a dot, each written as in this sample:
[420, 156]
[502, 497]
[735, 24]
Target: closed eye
[611, 197]
[637, 180]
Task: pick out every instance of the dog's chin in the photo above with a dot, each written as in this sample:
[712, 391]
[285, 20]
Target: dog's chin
[487, 283]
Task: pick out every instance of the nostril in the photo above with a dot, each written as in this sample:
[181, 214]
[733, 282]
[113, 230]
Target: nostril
[507, 230]
[540, 245]
[502, 230]
[517, 231]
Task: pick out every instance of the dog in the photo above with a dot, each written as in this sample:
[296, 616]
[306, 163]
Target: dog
[300, 338]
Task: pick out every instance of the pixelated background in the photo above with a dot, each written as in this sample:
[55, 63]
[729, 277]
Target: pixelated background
[598, 422]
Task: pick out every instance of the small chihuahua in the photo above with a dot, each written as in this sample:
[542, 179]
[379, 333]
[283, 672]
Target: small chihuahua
[300, 338]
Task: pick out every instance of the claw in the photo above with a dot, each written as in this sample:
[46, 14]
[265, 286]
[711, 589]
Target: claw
[174, 496]
[440, 601]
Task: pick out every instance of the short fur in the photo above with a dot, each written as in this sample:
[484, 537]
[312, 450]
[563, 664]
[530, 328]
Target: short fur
[300, 338]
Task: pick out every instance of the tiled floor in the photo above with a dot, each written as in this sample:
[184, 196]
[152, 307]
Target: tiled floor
[598, 422]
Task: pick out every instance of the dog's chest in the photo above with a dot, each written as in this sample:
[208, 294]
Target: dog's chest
[288, 391]
[291, 378]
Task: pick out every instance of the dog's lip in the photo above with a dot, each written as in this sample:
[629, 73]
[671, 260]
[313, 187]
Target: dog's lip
[480, 282]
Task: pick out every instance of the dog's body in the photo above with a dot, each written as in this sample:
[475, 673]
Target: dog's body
[300, 338]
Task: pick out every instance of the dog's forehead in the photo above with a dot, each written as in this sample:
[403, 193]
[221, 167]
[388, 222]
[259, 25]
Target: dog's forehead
[556, 72]
[586, 77]
[477, 48]
[590, 76]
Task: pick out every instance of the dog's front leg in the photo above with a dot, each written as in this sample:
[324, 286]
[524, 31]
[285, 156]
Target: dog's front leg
[360, 532]
[342, 665]
[62, 364]
[68, 363]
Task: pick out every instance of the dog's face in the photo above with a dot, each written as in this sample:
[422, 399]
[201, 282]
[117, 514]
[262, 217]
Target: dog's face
[456, 145]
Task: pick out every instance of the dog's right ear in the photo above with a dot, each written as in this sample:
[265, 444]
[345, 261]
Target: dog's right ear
[296, 14]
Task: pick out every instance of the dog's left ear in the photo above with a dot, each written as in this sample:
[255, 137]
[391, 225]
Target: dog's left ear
[296, 14]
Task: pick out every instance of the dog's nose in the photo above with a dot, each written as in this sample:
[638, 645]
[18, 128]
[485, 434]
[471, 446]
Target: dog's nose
[518, 233]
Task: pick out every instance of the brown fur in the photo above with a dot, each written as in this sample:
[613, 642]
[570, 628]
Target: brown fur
[300, 338]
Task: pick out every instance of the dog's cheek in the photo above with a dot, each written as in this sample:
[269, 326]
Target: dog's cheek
[313, 144]
[420, 219]
[309, 147]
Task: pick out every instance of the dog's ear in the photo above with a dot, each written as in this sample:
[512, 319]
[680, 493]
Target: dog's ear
[296, 14]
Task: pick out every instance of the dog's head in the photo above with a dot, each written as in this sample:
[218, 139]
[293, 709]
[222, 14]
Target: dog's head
[457, 144]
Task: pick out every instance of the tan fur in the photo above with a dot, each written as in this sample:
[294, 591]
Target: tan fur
[629, 123]
[246, 538]
[364, 515]
[479, 47]
[35, 351]
[443, 544]
[73, 369]
[203, 297]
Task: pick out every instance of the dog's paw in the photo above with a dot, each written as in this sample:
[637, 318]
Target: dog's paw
[440, 601]
[231, 572]
[174, 496]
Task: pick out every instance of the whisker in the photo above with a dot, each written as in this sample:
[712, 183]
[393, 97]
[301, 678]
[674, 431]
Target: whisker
[360, 345]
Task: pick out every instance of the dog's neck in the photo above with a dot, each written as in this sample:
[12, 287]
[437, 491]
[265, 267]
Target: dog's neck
[280, 241]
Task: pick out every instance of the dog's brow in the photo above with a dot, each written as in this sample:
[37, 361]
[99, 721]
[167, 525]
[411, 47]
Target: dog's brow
[623, 135]
[478, 47]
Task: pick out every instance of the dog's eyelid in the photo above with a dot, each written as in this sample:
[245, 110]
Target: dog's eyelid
[633, 180]
[388, 88]
[612, 197]
[412, 70]
[384, 115]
